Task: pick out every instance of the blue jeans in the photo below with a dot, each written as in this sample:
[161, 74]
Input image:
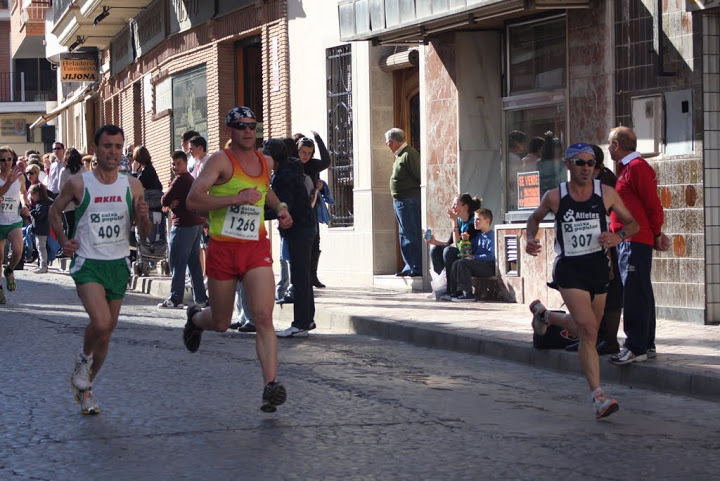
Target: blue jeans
[185, 254]
[635, 265]
[242, 305]
[407, 212]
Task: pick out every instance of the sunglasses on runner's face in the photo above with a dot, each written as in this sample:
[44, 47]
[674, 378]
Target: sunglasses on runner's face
[583, 163]
[243, 125]
[5, 159]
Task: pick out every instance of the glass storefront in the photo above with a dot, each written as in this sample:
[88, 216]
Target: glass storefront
[535, 112]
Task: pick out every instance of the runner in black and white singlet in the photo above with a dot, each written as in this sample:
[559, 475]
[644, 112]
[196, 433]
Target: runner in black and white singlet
[581, 269]
[581, 262]
[108, 204]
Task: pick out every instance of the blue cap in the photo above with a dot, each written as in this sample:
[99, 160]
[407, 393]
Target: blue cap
[580, 148]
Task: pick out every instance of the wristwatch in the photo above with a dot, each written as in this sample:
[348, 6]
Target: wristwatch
[622, 234]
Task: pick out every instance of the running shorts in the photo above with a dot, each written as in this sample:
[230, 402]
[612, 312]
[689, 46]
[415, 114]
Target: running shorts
[227, 261]
[112, 275]
[589, 273]
[5, 230]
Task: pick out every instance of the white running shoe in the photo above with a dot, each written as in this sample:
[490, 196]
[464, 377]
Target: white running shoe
[88, 405]
[170, 304]
[651, 353]
[539, 324]
[604, 406]
[626, 356]
[292, 331]
[80, 377]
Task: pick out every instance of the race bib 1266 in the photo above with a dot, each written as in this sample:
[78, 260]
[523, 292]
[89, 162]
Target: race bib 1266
[242, 222]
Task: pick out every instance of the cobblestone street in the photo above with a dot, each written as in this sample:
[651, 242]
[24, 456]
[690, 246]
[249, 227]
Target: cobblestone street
[358, 408]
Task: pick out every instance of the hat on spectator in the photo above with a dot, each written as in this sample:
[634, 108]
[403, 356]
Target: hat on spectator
[579, 148]
[239, 113]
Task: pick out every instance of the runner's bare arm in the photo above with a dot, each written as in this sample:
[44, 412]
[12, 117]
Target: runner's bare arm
[549, 203]
[13, 177]
[71, 191]
[217, 170]
[141, 207]
[284, 219]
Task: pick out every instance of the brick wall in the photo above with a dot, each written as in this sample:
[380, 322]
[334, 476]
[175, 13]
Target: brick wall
[212, 45]
[5, 45]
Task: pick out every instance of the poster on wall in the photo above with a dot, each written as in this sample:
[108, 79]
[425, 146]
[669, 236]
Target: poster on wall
[12, 127]
[189, 104]
[528, 190]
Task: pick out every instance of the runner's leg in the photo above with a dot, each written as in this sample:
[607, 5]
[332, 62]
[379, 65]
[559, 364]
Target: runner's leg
[103, 319]
[218, 316]
[586, 315]
[259, 283]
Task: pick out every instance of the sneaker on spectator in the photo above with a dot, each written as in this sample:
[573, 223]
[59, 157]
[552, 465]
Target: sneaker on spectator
[603, 405]
[626, 356]
[464, 297]
[244, 326]
[40, 270]
[539, 324]
[274, 395]
[292, 331]
[80, 377]
[651, 353]
[170, 304]
[88, 405]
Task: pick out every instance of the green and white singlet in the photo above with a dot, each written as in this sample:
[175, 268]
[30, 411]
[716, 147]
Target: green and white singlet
[103, 219]
[10, 206]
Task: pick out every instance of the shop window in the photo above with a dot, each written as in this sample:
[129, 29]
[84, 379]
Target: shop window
[537, 56]
[163, 95]
[535, 114]
[340, 134]
[189, 104]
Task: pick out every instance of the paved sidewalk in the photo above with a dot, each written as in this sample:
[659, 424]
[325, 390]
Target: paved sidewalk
[688, 359]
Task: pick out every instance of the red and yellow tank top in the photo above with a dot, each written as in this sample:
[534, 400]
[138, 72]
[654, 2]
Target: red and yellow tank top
[240, 223]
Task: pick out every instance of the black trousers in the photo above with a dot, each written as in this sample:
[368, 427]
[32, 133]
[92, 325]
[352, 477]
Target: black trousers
[301, 278]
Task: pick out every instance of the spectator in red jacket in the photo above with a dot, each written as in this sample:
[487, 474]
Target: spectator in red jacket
[637, 186]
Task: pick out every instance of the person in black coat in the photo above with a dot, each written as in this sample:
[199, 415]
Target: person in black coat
[312, 168]
[143, 169]
[41, 223]
[292, 186]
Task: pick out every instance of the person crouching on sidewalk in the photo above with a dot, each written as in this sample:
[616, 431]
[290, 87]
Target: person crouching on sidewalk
[481, 263]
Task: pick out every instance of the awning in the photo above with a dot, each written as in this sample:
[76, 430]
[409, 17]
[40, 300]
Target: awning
[62, 107]
[404, 22]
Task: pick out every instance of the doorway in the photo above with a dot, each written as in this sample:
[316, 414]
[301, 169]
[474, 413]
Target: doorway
[406, 95]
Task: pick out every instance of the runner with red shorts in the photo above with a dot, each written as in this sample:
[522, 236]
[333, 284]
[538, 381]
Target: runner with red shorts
[232, 191]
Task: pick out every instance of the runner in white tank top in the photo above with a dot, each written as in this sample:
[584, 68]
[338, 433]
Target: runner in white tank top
[108, 203]
[103, 219]
[12, 208]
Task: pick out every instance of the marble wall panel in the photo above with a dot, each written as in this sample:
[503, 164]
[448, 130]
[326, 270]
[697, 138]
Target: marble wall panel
[439, 194]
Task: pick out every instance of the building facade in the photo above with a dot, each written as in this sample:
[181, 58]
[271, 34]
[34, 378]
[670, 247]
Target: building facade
[27, 82]
[493, 75]
[168, 66]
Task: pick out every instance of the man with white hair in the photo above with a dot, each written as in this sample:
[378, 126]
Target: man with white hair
[405, 190]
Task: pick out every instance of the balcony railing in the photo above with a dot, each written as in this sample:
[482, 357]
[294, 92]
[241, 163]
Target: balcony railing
[21, 87]
[59, 7]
